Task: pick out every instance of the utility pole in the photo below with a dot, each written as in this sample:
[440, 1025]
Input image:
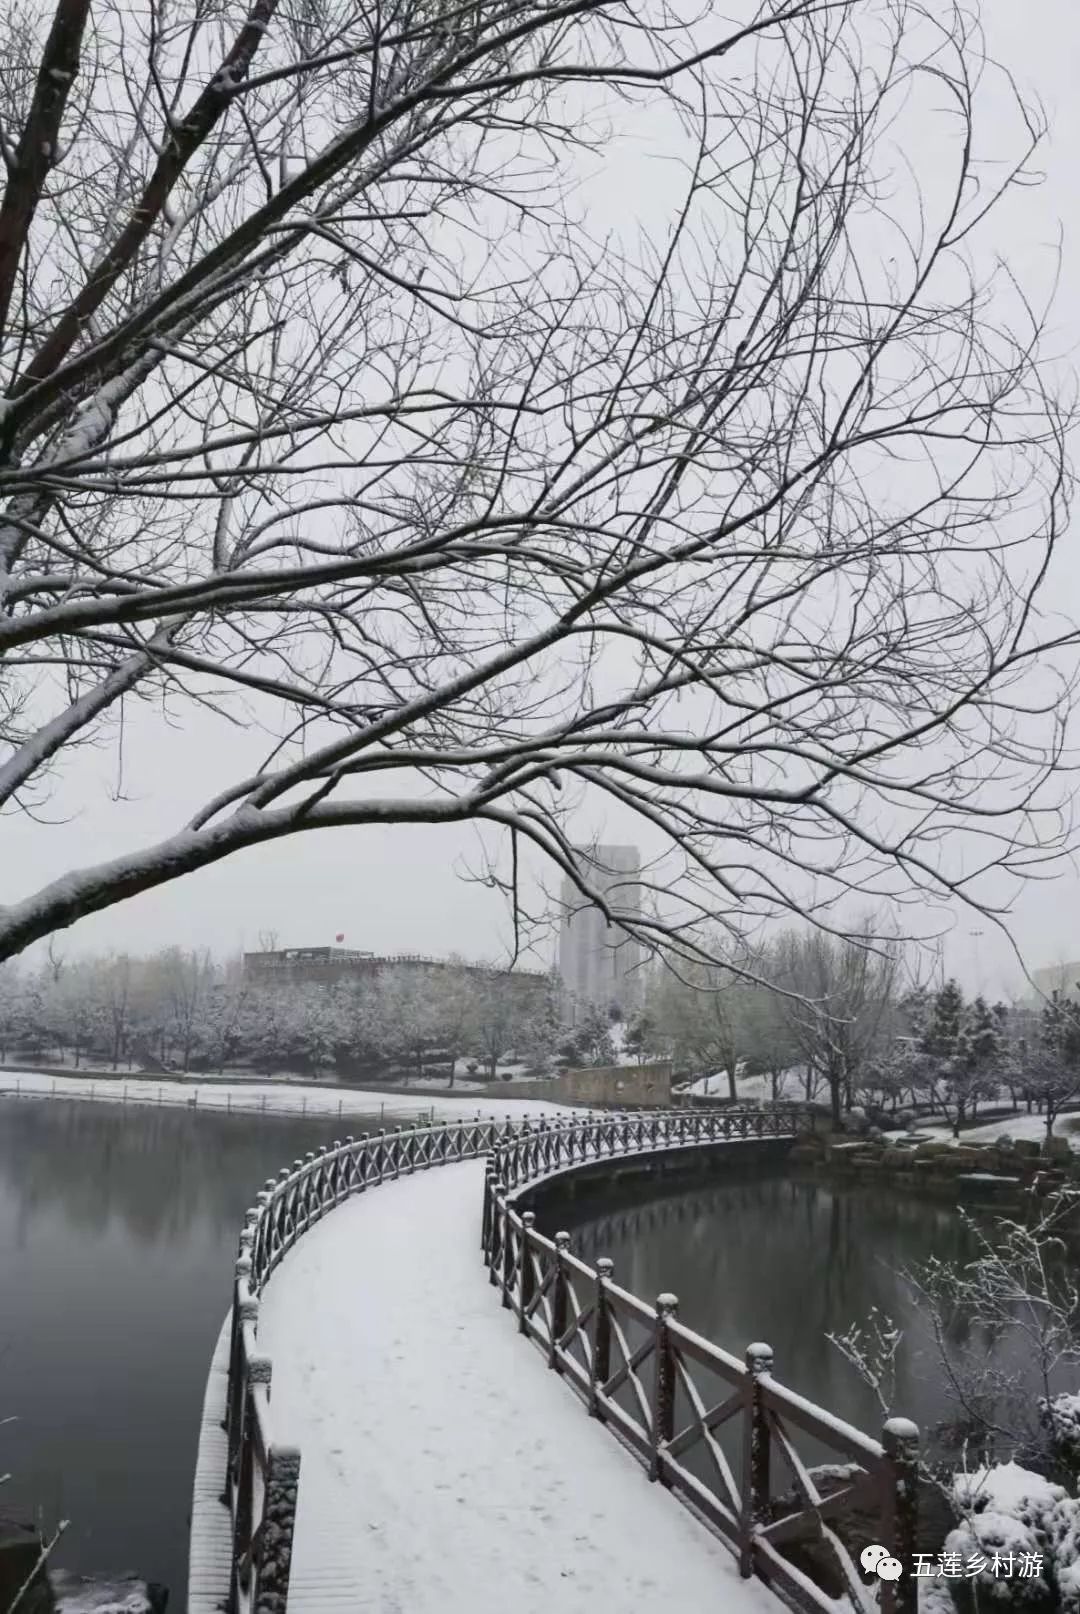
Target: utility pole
[975, 934]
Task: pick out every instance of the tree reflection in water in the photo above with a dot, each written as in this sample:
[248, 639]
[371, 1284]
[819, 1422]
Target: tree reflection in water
[118, 1231]
[787, 1261]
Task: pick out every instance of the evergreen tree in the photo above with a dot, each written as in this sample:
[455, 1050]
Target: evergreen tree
[984, 1034]
[1061, 1028]
[944, 1026]
[1052, 1069]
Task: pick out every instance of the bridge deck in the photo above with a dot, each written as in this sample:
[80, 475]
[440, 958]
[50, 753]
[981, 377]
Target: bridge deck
[444, 1468]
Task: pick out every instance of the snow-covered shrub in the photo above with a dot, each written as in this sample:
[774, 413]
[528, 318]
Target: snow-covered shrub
[1066, 1554]
[1061, 1416]
[1010, 1513]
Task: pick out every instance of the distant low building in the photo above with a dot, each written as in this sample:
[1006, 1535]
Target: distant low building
[1057, 978]
[326, 966]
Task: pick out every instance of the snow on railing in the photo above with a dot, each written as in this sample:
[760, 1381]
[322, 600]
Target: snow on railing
[262, 1477]
[667, 1392]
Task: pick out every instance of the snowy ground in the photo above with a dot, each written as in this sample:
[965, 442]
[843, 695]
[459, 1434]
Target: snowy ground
[444, 1469]
[269, 1098]
[789, 1085]
[1006, 1126]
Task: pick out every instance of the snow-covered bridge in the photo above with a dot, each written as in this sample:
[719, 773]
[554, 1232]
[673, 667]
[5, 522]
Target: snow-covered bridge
[416, 1456]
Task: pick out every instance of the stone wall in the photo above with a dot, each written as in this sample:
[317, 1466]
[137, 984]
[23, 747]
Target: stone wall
[1006, 1173]
[623, 1086]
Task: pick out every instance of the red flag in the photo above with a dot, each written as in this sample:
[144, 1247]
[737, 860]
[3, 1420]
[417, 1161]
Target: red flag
[340, 937]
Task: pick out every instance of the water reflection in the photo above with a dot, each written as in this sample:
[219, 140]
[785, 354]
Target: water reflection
[118, 1232]
[787, 1262]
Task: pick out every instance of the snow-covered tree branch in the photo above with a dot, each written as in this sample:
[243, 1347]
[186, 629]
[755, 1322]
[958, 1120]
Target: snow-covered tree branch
[325, 406]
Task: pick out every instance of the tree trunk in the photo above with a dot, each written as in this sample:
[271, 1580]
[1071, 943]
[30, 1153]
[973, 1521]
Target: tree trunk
[733, 1091]
[834, 1100]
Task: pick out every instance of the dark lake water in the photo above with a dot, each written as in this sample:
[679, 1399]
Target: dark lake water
[118, 1230]
[788, 1261]
[118, 1233]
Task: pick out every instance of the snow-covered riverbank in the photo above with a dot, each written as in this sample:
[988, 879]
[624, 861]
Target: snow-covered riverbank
[267, 1098]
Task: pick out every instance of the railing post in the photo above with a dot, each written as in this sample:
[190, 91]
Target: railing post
[507, 1256]
[485, 1222]
[244, 1523]
[240, 1545]
[278, 1522]
[900, 1512]
[528, 1277]
[601, 1345]
[244, 1310]
[558, 1300]
[663, 1408]
[756, 1455]
[495, 1246]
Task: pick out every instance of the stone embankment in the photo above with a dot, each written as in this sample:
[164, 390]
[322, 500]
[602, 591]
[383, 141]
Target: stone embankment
[1006, 1172]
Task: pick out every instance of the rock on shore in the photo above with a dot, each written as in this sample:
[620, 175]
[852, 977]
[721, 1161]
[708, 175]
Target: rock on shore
[101, 1594]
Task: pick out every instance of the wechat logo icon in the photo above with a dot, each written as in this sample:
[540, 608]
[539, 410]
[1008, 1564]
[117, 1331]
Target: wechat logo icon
[879, 1561]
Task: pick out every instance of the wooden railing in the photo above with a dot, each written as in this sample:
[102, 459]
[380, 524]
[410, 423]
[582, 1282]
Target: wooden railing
[551, 1145]
[585, 1324]
[673, 1396]
[262, 1476]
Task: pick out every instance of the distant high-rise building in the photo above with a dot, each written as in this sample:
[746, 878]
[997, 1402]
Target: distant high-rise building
[599, 963]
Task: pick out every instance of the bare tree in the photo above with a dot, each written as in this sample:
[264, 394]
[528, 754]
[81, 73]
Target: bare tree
[183, 982]
[498, 1018]
[1015, 1283]
[838, 995]
[711, 1018]
[323, 410]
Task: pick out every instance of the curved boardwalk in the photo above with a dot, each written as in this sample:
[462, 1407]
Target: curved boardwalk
[445, 1470]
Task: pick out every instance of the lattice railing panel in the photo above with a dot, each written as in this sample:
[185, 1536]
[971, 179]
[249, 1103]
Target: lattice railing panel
[627, 1360]
[717, 1429]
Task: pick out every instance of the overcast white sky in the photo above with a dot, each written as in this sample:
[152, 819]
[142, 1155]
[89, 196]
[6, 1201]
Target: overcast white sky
[403, 889]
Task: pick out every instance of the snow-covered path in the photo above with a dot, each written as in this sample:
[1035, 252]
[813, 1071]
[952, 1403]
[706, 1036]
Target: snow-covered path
[444, 1468]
